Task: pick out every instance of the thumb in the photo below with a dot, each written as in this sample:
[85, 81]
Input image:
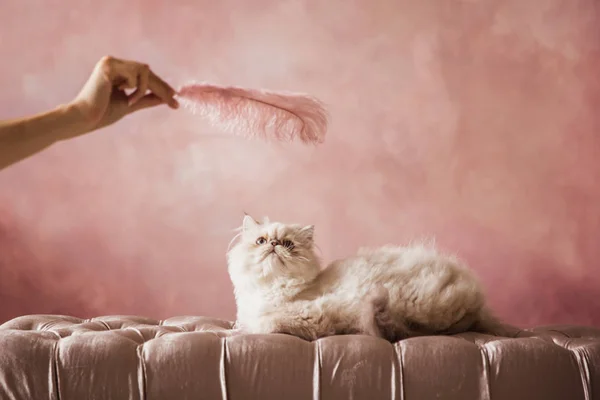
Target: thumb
[149, 100]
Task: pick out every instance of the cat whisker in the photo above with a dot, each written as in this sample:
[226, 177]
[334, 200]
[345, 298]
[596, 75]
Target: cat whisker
[232, 240]
[316, 246]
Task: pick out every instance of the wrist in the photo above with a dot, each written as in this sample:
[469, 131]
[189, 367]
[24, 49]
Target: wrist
[70, 121]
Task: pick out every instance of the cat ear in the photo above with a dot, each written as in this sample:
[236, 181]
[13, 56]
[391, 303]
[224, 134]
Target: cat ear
[308, 232]
[249, 223]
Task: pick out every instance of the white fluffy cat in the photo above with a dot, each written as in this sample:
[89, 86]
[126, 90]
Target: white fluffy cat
[392, 292]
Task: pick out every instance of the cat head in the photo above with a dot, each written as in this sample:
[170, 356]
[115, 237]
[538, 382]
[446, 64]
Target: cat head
[272, 251]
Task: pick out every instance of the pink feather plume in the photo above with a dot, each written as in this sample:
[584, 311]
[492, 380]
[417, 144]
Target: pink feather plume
[258, 113]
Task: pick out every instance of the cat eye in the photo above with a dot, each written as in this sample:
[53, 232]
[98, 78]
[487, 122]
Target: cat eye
[261, 240]
[288, 244]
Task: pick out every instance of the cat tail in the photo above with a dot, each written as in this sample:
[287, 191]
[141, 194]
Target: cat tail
[481, 321]
[487, 323]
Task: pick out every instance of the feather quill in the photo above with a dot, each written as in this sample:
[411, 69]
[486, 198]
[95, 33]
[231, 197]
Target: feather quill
[257, 112]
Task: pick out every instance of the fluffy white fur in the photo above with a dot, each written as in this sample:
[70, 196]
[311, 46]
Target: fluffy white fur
[392, 292]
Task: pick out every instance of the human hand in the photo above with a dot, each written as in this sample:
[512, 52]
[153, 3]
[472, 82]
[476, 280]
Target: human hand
[103, 99]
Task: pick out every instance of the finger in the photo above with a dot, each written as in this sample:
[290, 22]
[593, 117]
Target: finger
[122, 74]
[142, 86]
[129, 78]
[163, 90]
[147, 101]
[106, 67]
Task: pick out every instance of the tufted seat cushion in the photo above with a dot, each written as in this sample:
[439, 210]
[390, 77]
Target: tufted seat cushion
[122, 357]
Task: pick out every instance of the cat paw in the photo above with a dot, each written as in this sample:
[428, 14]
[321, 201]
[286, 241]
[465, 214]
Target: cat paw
[375, 312]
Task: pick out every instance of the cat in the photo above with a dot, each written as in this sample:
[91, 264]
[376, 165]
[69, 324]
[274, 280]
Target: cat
[391, 292]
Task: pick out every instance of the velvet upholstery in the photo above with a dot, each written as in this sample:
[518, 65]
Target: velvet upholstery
[123, 357]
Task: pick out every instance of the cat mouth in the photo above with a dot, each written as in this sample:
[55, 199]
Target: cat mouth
[274, 254]
[271, 253]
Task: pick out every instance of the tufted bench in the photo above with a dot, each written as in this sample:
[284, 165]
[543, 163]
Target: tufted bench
[118, 357]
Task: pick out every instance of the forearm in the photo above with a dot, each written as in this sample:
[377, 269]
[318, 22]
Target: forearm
[22, 138]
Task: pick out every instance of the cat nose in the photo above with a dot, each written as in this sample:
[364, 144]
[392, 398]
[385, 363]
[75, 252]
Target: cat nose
[274, 243]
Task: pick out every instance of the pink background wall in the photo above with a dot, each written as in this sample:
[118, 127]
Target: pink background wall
[475, 122]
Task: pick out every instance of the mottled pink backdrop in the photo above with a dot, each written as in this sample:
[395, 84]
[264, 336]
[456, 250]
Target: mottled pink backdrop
[475, 122]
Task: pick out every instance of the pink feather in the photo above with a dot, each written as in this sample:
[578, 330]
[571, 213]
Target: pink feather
[258, 113]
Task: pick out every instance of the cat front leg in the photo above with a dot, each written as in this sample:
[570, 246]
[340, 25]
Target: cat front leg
[230, 332]
[261, 325]
[303, 319]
